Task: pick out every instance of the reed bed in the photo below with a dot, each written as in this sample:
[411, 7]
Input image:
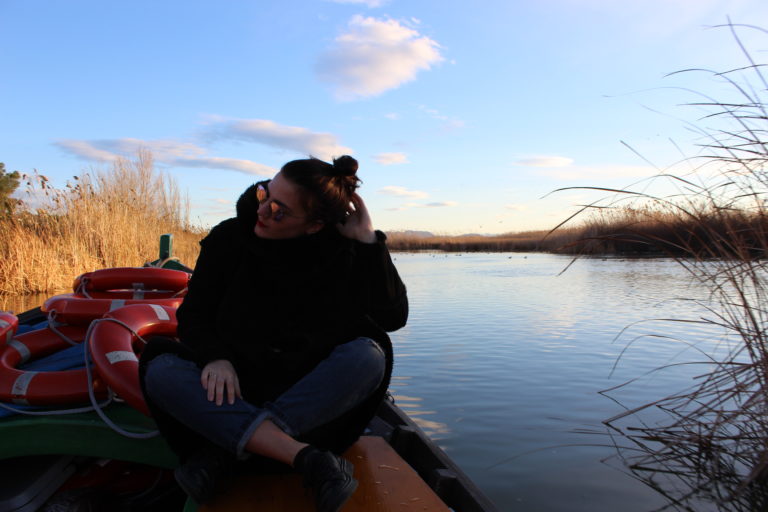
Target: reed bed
[651, 230]
[702, 231]
[100, 219]
[706, 447]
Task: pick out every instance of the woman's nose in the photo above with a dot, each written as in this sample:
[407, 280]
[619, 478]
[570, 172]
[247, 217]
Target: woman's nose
[264, 209]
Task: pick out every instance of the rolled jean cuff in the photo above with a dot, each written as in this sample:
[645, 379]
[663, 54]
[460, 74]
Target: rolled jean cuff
[281, 420]
[248, 433]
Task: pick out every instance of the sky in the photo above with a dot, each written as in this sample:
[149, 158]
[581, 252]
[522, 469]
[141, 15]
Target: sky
[465, 116]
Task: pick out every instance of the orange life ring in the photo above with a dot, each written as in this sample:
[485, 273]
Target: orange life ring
[9, 323]
[42, 388]
[70, 309]
[131, 278]
[113, 346]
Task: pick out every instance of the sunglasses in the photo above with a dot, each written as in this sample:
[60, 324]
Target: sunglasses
[277, 211]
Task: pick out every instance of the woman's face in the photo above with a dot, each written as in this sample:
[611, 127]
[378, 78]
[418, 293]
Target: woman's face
[281, 213]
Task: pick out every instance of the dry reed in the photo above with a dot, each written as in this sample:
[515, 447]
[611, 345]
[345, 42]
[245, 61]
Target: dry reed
[100, 219]
[710, 449]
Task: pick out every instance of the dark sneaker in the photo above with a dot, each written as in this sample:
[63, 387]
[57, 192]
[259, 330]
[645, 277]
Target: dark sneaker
[330, 477]
[200, 477]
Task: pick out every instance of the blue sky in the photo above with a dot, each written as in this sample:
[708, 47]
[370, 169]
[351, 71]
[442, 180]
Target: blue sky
[463, 115]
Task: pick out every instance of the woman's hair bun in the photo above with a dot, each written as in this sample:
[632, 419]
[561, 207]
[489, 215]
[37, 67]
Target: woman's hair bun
[344, 166]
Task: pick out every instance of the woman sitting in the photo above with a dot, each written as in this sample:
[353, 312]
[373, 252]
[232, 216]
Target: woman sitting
[283, 350]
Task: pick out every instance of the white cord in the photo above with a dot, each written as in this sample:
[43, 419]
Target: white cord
[52, 326]
[53, 411]
[81, 289]
[111, 424]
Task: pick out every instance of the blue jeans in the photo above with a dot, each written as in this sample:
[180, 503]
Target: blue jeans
[349, 375]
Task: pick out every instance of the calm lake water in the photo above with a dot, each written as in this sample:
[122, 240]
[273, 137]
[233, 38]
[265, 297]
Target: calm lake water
[502, 360]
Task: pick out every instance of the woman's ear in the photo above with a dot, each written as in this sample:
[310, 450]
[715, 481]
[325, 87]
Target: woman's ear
[314, 227]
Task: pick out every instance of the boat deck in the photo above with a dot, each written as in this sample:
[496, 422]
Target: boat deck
[387, 483]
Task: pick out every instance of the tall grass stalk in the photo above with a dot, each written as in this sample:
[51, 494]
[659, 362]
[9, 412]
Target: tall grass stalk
[100, 219]
[711, 447]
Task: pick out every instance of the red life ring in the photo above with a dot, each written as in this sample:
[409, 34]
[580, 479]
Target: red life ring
[42, 388]
[113, 346]
[73, 310]
[138, 294]
[9, 323]
[131, 278]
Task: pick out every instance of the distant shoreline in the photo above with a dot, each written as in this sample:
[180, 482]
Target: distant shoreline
[628, 233]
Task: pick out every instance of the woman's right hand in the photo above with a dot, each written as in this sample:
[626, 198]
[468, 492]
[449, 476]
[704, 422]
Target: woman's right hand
[358, 226]
[218, 377]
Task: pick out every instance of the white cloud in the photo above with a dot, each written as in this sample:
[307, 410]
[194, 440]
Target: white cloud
[369, 3]
[516, 207]
[408, 206]
[562, 168]
[245, 166]
[440, 204]
[216, 208]
[432, 112]
[454, 124]
[545, 161]
[106, 150]
[393, 190]
[391, 158]
[448, 122]
[319, 144]
[86, 150]
[394, 116]
[375, 55]
[180, 154]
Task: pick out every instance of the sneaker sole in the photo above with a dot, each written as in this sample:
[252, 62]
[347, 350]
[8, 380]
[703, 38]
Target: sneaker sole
[348, 490]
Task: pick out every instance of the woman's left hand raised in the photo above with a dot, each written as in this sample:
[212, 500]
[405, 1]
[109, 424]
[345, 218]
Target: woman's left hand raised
[358, 225]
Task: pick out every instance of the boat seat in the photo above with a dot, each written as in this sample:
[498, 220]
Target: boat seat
[387, 483]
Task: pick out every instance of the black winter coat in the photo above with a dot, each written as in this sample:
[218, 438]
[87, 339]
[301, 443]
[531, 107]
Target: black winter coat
[276, 308]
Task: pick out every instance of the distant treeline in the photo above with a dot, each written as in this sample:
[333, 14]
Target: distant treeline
[707, 233]
[529, 241]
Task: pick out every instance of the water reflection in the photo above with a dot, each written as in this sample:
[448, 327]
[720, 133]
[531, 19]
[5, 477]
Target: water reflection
[414, 407]
[503, 359]
[21, 303]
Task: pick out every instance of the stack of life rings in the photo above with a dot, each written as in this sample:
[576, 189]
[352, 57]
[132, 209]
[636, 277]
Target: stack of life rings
[108, 315]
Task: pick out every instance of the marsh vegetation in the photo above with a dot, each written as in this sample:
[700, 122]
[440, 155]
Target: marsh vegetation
[100, 219]
[652, 228]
